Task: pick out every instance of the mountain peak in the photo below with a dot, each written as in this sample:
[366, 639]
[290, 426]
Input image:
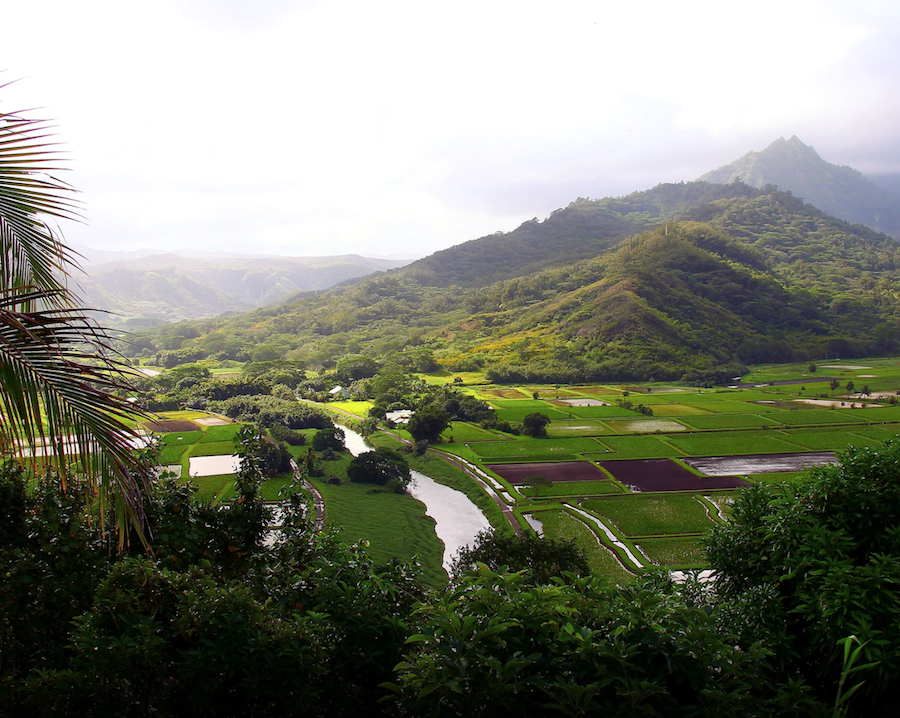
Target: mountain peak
[794, 166]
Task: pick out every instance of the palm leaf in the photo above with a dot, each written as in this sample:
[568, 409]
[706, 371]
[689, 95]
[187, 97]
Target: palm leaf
[61, 387]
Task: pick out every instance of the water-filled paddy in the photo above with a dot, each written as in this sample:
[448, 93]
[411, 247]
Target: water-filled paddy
[665, 475]
[729, 465]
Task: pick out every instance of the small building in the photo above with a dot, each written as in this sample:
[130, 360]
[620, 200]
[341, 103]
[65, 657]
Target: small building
[401, 416]
[339, 392]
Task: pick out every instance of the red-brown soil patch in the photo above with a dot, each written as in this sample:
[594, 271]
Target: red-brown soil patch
[552, 471]
[665, 475]
[168, 425]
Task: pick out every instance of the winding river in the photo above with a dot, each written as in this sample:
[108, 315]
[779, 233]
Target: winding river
[457, 519]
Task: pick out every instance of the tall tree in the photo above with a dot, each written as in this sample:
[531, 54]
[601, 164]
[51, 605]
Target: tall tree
[60, 381]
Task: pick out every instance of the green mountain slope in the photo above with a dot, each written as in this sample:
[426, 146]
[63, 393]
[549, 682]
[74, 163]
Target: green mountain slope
[840, 191]
[148, 291]
[760, 276]
[583, 229]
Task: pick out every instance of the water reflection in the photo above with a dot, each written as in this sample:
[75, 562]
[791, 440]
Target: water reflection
[457, 519]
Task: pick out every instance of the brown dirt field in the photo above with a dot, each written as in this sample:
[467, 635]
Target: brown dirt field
[518, 474]
[171, 425]
[665, 475]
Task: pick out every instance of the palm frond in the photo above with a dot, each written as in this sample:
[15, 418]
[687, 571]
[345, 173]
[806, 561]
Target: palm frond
[61, 387]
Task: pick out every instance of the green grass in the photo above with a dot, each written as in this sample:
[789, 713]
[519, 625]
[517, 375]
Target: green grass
[880, 433]
[526, 450]
[653, 515]
[646, 425]
[357, 408]
[172, 454]
[601, 412]
[561, 525]
[519, 413]
[684, 552]
[729, 421]
[820, 417]
[638, 447]
[464, 431]
[777, 477]
[393, 525]
[574, 488]
[577, 427]
[212, 449]
[221, 433]
[829, 440]
[181, 438]
[732, 443]
[676, 410]
[213, 489]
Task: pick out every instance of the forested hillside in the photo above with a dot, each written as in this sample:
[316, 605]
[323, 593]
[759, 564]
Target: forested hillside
[582, 230]
[746, 277]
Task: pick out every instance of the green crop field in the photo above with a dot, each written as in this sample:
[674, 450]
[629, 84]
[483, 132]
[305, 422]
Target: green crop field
[519, 413]
[212, 449]
[828, 440]
[393, 525]
[686, 552]
[601, 412]
[732, 443]
[638, 447]
[730, 421]
[677, 410]
[180, 438]
[573, 488]
[535, 449]
[879, 433]
[653, 515]
[561, 525]
[820, 417]
[221, 433]
[464, 431]
[578, 427]
[644, 426]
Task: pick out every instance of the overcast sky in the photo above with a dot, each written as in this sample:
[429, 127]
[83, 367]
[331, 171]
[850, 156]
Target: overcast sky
[320, 127]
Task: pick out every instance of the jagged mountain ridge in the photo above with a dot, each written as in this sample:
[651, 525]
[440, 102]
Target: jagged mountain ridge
[838, 190]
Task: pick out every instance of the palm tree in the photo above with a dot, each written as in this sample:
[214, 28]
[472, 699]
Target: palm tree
[60, 381]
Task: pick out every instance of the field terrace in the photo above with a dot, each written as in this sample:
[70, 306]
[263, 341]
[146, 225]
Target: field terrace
[637, 490]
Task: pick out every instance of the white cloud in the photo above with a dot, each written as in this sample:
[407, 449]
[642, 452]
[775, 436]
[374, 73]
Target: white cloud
[330, 126]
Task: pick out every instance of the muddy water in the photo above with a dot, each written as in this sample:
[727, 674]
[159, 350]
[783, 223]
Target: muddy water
[457, 519]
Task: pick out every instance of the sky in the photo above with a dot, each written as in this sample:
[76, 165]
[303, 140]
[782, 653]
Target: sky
[400, 127]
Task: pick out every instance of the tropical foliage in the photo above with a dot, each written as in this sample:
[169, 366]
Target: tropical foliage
[61, 387]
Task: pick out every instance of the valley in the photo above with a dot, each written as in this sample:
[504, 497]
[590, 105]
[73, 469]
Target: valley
[635, 488]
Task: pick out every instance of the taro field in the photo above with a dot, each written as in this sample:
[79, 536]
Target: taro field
[639, 487]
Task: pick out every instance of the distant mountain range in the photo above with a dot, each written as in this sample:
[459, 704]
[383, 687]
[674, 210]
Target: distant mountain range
[141, 291]
[840, 191]
[684, 281]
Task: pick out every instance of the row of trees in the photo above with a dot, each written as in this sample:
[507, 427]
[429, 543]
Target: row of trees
[215, 624]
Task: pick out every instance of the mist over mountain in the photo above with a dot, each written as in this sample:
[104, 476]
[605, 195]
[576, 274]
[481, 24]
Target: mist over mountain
[840, 191]
[145, 291]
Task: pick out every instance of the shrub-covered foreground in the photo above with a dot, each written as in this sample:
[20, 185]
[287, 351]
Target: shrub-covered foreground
[216, 624]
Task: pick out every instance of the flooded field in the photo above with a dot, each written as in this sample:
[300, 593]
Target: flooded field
[641, 475]
[201, 466]
[760, 464]
[552, 471]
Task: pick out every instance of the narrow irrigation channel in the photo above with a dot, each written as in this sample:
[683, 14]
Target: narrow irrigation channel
[457, 519]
